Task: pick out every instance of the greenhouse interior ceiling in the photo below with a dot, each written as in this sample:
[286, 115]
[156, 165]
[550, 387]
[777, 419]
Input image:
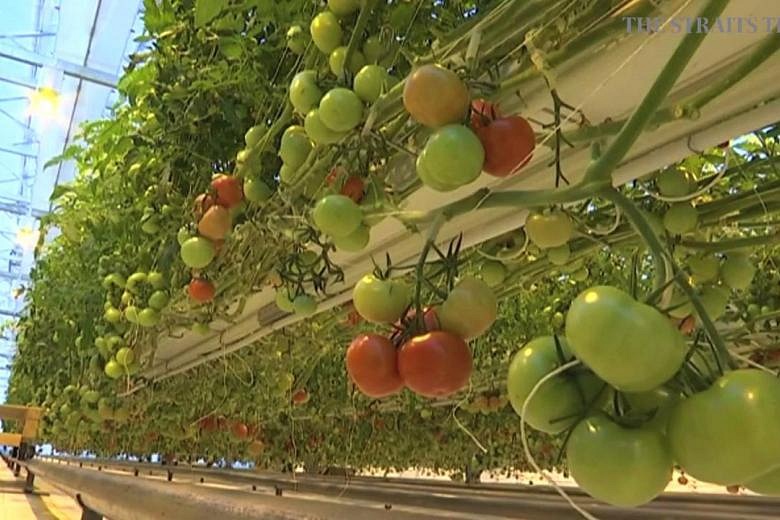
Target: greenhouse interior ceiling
[60, 61]
[511, 258]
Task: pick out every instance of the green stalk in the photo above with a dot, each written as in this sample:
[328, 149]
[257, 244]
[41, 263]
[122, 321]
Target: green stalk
[643, 228]
[419, 273]
[357, 34]
[664, 83]
[732, 245]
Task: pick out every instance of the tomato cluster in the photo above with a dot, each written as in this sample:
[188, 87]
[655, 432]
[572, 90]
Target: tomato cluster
[432, 357]
[626, 427]
[214, 213]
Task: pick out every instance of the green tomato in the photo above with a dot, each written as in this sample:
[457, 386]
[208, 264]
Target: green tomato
[628, 344]
[134, 280]
[371, 82]
[624, 467]
[355, 241]
[337, 215]
[131, 313]
[470, 309]
[453, 156]
[558, 403]
[672, 182]
[91, 396]
[341, 110]
[158, 300]
[295, 146]
[150, 226]
[156, 279]
[304, 305]
[125, 356]
[580, 275]
[201, 328]
[704, 268]
[113, 369]
[287, 175]
[737, 271]
[380, 301]
[112, 315]
[373, 49]
[126, 298]
[766, 484]
[493, 272]
[326, 32]
[304, 92]
[729, 433]
[337, 58]
[253, 136]
[255, 190]
[715, 299]
[183, 235]
[681, 218]
[197, 252]
[148, 317]
[283, 300]
[549, 230]
[559, 255]
[318, 132]
[297, 40]
[432, 181]
[343, 7]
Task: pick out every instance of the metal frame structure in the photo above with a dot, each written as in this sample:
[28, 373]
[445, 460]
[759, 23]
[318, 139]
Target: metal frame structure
[111, 488]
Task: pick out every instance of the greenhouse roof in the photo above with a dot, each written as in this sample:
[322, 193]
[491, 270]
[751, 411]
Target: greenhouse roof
[59, 62]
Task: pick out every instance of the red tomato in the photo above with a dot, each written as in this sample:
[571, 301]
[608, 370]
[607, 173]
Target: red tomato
[509, 144]
[483, 113]
[353, 188]
[436, 364]
[229, 190]
[208, 423]
[202, 204]
[372, 364]
[201, 291]
[300, 396]
[240, 431]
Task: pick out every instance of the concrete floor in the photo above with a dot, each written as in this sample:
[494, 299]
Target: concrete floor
[47, 503]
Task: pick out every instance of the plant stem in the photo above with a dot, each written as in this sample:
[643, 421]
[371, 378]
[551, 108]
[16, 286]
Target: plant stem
[733, 244]
[357, 35]
[419, 271]
[653, 99]
[643, 228]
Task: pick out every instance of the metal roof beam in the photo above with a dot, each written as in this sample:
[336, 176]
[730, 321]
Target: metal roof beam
[20, 153]
[68, 68]
[26, 35]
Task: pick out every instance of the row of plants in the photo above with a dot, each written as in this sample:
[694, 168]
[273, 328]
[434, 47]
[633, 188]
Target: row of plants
[631, 329]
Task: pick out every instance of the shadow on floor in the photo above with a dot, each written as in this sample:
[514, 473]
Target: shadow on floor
[40, 509]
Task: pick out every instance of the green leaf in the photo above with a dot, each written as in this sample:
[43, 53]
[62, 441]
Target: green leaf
[60, 190]
[207, 10]
[70, 152]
